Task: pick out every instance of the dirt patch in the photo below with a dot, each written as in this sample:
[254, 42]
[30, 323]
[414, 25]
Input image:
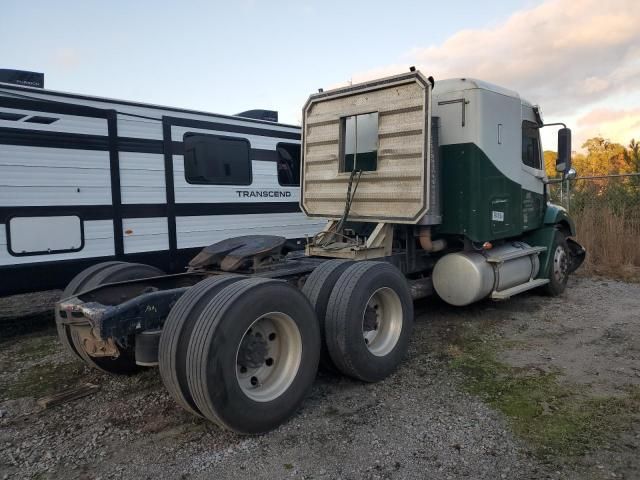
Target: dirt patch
[591, 335]
[563, 370]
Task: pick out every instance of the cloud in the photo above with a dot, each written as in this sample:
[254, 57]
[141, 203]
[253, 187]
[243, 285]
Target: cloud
[563, 54]
[618, 125]
[607, 115]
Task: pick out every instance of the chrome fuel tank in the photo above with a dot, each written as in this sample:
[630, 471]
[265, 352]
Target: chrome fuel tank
[462, 278]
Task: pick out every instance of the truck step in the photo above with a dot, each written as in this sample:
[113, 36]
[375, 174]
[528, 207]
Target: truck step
[523, 287]
[517, 254]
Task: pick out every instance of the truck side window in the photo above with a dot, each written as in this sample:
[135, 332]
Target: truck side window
[288, 164]
[359, 142]
[531, 145]
[216, 160]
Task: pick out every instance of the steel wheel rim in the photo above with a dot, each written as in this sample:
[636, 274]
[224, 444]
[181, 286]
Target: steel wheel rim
[560, 264]
[382, 333]
[268, 357]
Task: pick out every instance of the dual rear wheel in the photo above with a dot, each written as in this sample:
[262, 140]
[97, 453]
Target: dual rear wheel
[365, 312]
[243, 352]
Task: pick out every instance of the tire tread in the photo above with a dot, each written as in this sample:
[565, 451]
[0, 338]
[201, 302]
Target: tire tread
[170, 340]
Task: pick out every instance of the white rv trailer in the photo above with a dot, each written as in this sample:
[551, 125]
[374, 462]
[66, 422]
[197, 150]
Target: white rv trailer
[88, 179]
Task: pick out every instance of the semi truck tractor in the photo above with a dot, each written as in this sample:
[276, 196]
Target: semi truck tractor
[426, 187]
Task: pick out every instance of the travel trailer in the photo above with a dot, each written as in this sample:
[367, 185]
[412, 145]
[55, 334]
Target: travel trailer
[87, 179]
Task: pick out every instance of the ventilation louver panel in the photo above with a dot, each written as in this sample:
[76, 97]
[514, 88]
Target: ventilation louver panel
[392, 188]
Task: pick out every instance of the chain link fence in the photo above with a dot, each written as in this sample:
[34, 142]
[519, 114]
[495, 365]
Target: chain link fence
[606, 210]
[621, 192]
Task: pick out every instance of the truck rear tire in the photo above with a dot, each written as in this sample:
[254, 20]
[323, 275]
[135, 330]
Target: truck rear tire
[369, 320]
[559, 268]
[92, 277]
[317, 289]
[253, 355]
[176, 333]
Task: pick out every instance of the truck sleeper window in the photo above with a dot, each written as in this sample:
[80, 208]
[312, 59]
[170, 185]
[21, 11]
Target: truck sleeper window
[531, 145]
[359, 142]
[215, 160]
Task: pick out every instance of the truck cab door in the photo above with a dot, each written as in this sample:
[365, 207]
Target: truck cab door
[532, 176]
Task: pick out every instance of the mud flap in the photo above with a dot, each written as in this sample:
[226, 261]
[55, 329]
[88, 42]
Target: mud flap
[578, 254]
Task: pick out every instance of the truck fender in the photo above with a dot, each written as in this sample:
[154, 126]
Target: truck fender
[557, 215]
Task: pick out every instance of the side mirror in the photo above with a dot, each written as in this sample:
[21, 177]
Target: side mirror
[571, 174]
[563, 162]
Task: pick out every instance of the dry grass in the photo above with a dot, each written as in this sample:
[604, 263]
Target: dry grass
[612, 241]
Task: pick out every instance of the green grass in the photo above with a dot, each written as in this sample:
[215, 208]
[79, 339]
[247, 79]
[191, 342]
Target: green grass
[555, 418]
[37, 376]
[32, 347]
[37, 347]
[40, 380]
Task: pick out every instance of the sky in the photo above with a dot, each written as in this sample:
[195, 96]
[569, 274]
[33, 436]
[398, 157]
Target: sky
[578, 59]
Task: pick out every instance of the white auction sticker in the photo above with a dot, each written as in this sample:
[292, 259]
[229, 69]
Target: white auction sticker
[497, 216]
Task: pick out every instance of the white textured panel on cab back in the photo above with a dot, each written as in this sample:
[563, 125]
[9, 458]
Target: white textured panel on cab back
[142, 178]
[199, 231]
[63, 123]
[265, 177]
[53, 176]
[98, 242]
[395, 190]
[145, 234]
[42, 234]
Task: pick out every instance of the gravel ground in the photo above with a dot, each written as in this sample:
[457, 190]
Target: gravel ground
[419, 423]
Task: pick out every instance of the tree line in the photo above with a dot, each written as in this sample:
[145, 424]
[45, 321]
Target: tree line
[619, 195]
[602, 157]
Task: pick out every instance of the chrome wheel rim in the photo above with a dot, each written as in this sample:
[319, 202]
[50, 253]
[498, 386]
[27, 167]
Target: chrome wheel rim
[560, 264]
[268, 356]
[382, 321]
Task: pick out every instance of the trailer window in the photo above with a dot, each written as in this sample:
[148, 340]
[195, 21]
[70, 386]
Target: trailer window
[359, 142]
[215, 160]
[531, 145]
[288, 164]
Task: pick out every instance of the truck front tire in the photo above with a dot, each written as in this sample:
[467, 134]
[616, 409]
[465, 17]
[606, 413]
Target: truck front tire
[559, 266]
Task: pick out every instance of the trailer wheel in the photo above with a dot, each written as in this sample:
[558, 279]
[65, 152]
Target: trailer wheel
[369, 320]
[76, 284]
[176, 333]
[317, 289]
[92, 277]
[560, 264]
[253, 355]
